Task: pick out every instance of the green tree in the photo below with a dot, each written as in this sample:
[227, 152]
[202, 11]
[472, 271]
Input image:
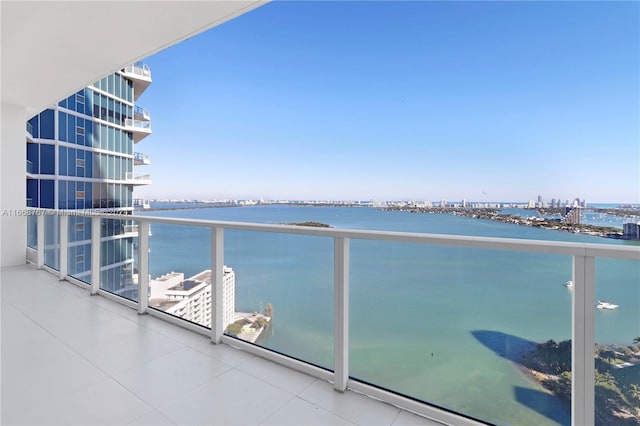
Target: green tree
[268, 310]
[234, 329]
[259, 323]
[634, 392]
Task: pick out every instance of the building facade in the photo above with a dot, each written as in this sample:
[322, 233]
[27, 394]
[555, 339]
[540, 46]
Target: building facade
[191, 298]
[81, 155]
[631, 231]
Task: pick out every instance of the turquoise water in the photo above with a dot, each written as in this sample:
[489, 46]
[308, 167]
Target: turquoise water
[441, 324]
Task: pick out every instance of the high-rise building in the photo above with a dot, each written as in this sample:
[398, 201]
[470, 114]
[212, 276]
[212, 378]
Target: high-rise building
[631, 231]
[80, 155]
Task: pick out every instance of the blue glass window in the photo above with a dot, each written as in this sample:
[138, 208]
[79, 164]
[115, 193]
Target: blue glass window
[47, 159]
[34, 157]
[62, 161]
[32, 192]
[71, 128]
[62, 194]
[47, 124]
[47, 194]
[62, 126]
[35, 121]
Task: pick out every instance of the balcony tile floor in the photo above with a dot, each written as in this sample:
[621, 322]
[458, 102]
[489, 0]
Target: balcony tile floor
[68, 358]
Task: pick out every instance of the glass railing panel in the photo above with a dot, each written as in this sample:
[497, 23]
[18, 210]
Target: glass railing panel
[180, 270]
[52, 241]
[283, 293]
[118, 271]
[79, 248]
[32, 231]
[617, 323]
[458, 328]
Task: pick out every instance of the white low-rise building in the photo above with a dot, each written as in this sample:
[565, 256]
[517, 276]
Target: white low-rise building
[191, 298]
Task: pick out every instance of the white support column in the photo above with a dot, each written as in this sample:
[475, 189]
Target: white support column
[341, 313]
[64, 246]
[13, 166]
[40, 240]
[583, 342]
[143, 266]
[217, 283]
[95, 254]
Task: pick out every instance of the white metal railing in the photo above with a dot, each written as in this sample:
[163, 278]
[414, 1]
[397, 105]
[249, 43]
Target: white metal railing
[142, 158]
[139, 68]
[583, 295]
[138, 110]
[133, 177]
[137, 124]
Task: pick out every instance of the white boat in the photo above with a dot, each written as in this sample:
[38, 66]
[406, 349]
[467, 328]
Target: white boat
[605, 305]
[568, 284]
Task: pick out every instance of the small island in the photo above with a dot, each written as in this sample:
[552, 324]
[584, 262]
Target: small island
[313, 224]
[617, 387]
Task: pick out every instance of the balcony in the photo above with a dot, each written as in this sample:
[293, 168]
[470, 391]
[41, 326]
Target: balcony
[29, 132]
[29, 168]
[140, 159]
[140, 75]
[140, 129]
[334, 300]
[141, 114]
[133, 179]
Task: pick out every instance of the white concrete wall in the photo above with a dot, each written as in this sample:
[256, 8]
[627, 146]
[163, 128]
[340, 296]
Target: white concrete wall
[13, 192]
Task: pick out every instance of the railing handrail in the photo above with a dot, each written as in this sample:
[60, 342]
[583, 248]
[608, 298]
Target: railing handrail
[139, 68]
[129, 122]
[141, 156]
[464, 241]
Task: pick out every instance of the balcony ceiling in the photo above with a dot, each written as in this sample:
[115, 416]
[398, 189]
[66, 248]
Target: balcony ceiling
[50, 49]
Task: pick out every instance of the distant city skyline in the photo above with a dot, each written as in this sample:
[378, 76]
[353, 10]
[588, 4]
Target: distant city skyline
[495, 101]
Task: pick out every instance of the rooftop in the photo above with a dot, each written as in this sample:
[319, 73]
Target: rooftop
[65, 354]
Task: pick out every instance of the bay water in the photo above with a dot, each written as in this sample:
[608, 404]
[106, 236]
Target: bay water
[440, 324]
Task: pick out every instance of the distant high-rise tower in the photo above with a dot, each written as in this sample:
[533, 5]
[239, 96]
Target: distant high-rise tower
[80, 155]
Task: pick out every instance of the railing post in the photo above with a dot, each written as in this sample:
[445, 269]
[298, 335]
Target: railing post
[40, 239]
[95, 254]
[217, 280]
[64, 246]
[583, 342]
[340, 313]
[143, 266]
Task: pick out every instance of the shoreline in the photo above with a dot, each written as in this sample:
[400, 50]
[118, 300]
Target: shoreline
[537, 222]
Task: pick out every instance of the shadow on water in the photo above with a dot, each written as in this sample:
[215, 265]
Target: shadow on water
[513, 348]
[505, 345]
[541, 402]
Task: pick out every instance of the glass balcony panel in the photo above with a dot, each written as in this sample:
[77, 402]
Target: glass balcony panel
[180, 266]
[454, 327]
[288, 279]
[617, 322]
[52, 241]
[79, 248]
[32, 231]
[118, 261]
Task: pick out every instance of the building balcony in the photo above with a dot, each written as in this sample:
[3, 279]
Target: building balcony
[133, 179]
[140, 74]
[348, 326]
[140, 159]
[141, 114]
[29, 133]
[30, 168]
[140, 129]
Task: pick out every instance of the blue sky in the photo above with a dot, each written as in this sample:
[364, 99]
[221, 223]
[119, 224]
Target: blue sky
[401, 100]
